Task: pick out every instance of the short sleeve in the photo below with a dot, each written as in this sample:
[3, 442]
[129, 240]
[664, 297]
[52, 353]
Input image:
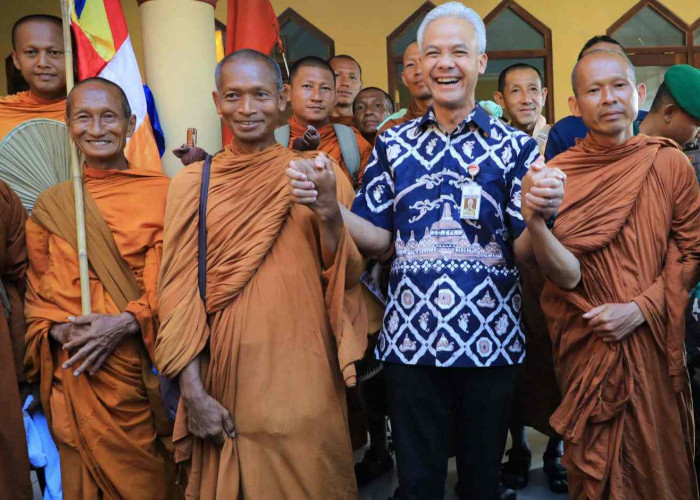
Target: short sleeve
[375, 200]
[514, 219]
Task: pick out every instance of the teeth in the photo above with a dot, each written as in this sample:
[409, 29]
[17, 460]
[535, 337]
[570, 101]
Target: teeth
[446, 80]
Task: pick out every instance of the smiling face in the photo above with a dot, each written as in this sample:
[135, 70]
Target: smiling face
[98, 124]
[38, 55]
[348, 79]
[451, 63]
[313, 95]
[370, 109]
[606, 95]
[249, 101]
[412, 75]
[523, 97]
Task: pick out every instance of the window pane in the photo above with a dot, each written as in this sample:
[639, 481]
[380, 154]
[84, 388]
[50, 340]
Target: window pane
[299, 42]
[696, 36]
[648, 29]
[652, 76]
[510, 32]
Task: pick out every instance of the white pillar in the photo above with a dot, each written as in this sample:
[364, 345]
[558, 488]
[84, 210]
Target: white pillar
[180, 58]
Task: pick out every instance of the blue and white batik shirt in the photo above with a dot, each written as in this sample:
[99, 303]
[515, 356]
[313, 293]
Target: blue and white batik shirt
[454, 290]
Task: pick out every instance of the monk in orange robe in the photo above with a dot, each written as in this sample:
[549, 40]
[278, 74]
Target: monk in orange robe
[313, 95]
[348, 83]
[412, 78]
[14, 462]
[37, 52]
[619, 263]
[98, 388]
[262, 360]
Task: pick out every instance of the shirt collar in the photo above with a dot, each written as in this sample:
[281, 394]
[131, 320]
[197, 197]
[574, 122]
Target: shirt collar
[478, 117]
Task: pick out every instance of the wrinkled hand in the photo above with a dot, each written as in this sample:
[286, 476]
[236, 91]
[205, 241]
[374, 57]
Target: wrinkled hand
[542, 191]
[25, 390]
[208, 419]
[95, 336]
[60, 332]
[313, 184]
[614, 322]
[190, 155]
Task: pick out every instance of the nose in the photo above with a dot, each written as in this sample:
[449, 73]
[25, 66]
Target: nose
[608, 97]
[247, 107]
[445, 60]
[316, 95]
[42, 58]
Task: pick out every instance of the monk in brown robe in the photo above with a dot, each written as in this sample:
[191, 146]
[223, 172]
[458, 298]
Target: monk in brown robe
[348, 82]
[264, 358]
[37, 52]
[615, 313]
[412, 78]
[14, 462]
[313, 96]
[98, 388]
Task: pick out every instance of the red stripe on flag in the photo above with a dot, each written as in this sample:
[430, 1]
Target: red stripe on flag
[117, 22]
[89, 61]
[251, 24]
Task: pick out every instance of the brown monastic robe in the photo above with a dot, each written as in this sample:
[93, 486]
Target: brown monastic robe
[14, 462]
[411, 114]
[282, 324]
[626, 414]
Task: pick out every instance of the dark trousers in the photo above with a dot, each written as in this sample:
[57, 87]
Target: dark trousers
[425, 402]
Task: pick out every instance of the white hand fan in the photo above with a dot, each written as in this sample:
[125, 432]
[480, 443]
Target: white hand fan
[34, 156]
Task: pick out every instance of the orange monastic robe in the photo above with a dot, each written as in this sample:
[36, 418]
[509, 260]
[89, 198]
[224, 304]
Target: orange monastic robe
[348, 121]
[631, 215]
[18, 108]
[329, 144]
[282, 324]
[14, 462]
[102, 423]
[412, 113]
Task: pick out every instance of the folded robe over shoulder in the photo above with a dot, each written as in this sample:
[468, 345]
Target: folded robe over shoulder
[18, 108]
[282, 326]
[631, 215]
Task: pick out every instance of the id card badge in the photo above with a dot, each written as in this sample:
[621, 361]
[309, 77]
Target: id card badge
[471, 202]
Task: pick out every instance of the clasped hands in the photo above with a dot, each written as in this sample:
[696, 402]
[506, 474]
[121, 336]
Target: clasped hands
[542, 191]
[313, 184]
[92, 338]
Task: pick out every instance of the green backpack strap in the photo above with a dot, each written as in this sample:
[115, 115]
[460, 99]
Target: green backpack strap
[348, 148]
[282, 135]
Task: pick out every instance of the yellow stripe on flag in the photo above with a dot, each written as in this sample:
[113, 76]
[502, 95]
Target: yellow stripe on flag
[94, 23]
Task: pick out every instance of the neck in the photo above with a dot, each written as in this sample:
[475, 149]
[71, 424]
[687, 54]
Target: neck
[652, 125]
[528, 128]
[342, 110]
[254, 147]
[612, 140]
[370, 137]
[450, 118]
[422, 105]
[315, 124]
[117, 162]
[50, 97]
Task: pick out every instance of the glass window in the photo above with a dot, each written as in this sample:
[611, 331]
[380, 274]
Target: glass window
[648, 28]
[300, 38]
[508, 31]
[696, 36]
[652, 76]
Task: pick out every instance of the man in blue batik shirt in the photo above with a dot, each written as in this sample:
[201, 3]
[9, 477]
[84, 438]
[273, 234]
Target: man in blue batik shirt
[442, 193]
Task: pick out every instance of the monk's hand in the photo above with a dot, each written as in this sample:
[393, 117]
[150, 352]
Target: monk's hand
[207, 418]
[189, 154]
[94, 336]
[60, 332]
[313, 183]
[543, 190]
[614, 322]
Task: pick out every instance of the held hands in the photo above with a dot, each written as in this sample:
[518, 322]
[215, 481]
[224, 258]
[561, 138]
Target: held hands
[92, 338]
[543, 191]
[614, 322]
[189, 154]
[313, 184]
[208, 419]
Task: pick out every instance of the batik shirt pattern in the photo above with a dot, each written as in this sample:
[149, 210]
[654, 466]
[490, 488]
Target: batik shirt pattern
[454, 290]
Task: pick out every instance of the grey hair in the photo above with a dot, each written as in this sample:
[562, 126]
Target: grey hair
[251, 55]
[574, 80]
[455, 10]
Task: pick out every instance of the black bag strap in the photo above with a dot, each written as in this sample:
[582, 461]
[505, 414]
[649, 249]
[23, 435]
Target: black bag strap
[202, 225]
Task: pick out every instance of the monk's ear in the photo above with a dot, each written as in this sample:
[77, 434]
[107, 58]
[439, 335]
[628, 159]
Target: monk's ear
[573, 106]
[215, 97]
[498, 97]
[642, 91]
[283, 98]
[15, 60]
[132, 126]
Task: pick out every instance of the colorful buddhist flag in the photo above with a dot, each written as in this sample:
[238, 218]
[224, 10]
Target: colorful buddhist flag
[104, 49]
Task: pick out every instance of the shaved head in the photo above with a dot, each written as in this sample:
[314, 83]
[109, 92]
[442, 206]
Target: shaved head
[346, 58]
[35, 18]
[376, 90]
[597, 53]
[250, 55]
[105, 84]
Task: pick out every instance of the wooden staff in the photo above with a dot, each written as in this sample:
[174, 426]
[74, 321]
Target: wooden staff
[76, 173]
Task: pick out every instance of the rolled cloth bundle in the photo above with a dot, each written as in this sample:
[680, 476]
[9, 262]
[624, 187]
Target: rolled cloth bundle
[309, 141]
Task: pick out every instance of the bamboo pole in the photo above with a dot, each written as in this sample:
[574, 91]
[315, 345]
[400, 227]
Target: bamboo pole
[76, 173]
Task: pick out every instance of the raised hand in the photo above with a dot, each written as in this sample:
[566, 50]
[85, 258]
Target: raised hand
[313, 183]
[543, 191]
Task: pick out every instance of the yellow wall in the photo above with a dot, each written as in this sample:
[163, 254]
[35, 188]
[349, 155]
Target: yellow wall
[360, 27]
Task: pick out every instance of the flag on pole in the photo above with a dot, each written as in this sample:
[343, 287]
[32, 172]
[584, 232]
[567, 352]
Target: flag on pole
[104, 49]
